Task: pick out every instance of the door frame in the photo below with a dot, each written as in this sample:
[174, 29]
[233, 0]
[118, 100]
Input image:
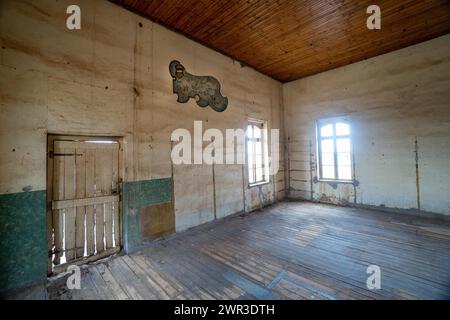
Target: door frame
[51, 137]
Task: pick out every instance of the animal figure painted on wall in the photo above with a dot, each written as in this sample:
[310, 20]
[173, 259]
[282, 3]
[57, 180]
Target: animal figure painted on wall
[205, 89]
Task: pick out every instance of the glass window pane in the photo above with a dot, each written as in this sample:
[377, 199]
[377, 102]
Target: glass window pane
[327, 146]
[342, 129]
[328, 172]
[344, 172]
[327, 159]
[258, 158]
[327, 130]
[343, 145]
[334, 139]
[344, 159]
[259, 174]
[251, 178]
[250, 131]
[251, 175]
[250, 161]
[258, 151]
[256, 132]
[250, 147]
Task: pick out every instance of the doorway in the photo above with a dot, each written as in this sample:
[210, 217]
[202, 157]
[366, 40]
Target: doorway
[83, 199]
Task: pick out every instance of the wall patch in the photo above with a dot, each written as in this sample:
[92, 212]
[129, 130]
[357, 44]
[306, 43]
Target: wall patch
[205, 89]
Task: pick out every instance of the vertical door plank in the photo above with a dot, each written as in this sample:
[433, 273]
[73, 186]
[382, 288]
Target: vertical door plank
[80, 164]
[58, 194]
[69, 193]
[115, 186]
[116, 217]
[84, 170]
[108, 225]
[90, 192]
[107, 190]
[99, 208]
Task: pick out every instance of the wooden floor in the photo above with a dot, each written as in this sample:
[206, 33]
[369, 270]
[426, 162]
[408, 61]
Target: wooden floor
[288, 251]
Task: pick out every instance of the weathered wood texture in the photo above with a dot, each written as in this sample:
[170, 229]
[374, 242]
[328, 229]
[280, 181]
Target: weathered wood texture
[84, 203]
[292, 39]
[289, 251]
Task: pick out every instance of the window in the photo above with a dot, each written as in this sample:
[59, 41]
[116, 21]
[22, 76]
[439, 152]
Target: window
[257, 153]
[334, 149]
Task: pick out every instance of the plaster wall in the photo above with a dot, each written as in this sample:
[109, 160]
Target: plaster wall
[391, 101]
[111, 78]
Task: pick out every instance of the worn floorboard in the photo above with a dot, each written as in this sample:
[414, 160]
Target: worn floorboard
[292, 250]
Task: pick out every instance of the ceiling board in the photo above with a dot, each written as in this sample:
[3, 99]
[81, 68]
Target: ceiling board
[291, 39]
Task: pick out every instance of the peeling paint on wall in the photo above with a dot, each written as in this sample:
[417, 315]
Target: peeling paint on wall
[157, 220]
[205, 89]
[135, 196]
[23, 239]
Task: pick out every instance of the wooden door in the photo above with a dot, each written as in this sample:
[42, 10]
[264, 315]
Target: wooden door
[84, 201]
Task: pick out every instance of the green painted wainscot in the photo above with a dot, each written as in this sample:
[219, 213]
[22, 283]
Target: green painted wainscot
[135, 196]
[23, 229]
[23, 239]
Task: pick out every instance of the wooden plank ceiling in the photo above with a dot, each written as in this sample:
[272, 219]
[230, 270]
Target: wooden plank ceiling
[291, 39]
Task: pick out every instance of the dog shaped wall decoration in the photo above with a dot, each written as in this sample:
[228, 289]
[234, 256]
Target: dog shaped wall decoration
[205, 89]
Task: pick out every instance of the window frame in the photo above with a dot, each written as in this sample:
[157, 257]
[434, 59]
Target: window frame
[321, 123]
[264, 153]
